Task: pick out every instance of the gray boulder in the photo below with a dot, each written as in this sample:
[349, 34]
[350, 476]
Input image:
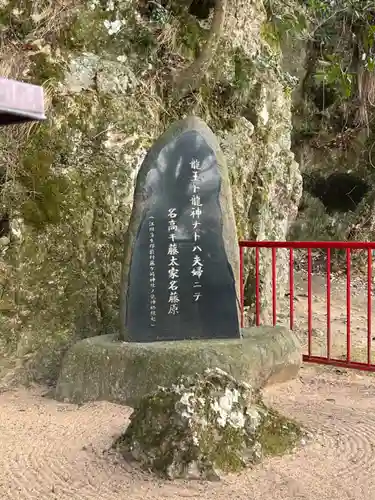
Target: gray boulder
[204, 426]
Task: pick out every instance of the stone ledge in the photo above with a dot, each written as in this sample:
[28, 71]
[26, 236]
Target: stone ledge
[101, 368]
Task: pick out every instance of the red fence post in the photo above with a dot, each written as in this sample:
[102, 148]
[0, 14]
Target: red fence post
[328, 303]
[242, 300]
[309, 301]
[369, 304]
[348, 340]
[291, 289]
[257, 288]
[274, 312]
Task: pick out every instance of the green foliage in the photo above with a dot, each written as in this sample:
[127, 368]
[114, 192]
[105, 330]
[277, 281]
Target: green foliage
[284, 19]
[331, 73]
[342, 32]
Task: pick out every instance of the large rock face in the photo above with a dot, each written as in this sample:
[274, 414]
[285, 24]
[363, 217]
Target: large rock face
[203, 426]
[181, 267]
[67, 185]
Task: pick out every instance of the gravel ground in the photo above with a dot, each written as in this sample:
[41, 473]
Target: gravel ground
[51, 450]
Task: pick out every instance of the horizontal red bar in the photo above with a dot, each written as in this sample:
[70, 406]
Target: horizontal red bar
[308, 244]
[340, 363]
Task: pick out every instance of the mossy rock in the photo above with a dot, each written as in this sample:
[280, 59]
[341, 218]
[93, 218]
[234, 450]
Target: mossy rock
[102, 368]
[203, 426]
[108, 96]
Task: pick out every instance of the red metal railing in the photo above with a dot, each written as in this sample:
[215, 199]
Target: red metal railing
[309, 246]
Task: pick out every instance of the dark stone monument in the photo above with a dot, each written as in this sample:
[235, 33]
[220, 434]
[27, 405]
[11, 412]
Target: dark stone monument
[20, 102]
[181, 253]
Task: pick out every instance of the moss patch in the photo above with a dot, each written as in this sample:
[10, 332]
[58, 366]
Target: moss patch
[277, 434]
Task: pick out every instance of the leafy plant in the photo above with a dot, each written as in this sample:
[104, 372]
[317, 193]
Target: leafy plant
[342, 33]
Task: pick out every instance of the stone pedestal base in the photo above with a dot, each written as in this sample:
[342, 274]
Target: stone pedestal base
[103, 368]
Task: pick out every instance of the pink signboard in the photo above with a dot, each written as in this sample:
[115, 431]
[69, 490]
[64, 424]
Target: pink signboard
[20, 102]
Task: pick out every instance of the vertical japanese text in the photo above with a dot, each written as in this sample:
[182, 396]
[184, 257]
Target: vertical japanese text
[196, 212]
[173, 265]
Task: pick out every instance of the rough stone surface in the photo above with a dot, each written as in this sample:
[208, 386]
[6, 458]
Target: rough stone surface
[102, 368]
[201, 427]
[164, 178]
[68, 184]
